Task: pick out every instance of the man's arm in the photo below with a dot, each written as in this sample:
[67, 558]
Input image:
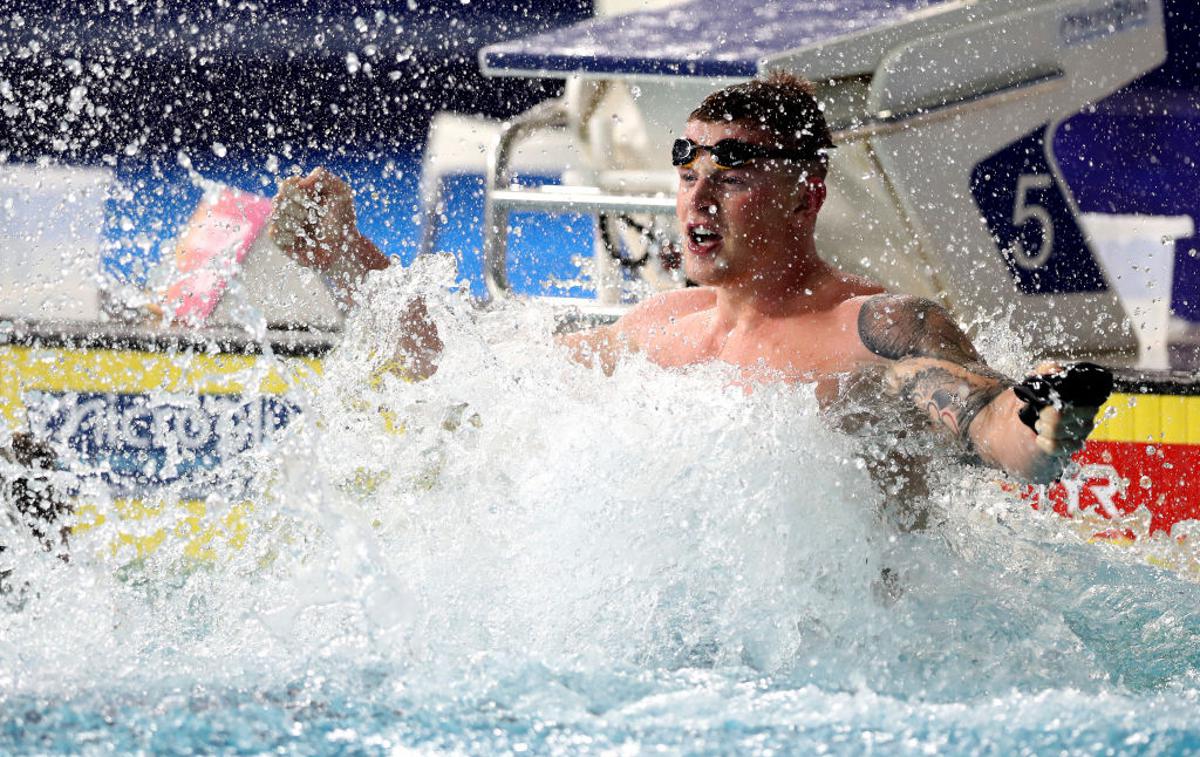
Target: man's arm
[314, 223]
[934, 365]
[598, 346]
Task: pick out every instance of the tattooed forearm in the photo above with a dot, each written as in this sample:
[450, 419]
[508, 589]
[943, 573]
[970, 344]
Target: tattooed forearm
[951, 395]
[896, 326]
[932, 365]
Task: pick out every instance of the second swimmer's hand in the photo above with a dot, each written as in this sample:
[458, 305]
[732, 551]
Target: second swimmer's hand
[313, 220]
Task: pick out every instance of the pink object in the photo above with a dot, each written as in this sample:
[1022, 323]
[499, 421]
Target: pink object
[212, 247]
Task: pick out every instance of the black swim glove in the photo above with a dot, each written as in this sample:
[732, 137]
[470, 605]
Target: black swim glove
[1081, 384]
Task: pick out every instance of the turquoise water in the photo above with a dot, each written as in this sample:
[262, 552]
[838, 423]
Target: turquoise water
[366, 714]
[548, 560]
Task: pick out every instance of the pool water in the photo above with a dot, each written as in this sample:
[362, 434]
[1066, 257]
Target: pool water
[538, 558]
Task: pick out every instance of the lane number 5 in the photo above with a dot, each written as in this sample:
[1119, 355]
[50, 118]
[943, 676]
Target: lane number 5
[1025, 211]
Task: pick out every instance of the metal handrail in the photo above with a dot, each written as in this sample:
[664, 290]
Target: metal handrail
[582, 201]
[551, 114]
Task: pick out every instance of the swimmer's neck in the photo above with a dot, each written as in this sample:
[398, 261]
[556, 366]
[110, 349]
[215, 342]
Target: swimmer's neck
[811, 287]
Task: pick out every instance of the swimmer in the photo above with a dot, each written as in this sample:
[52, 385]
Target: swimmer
[752, 164]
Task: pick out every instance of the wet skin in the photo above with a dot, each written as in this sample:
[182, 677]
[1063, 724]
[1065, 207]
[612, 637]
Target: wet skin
[768, 304]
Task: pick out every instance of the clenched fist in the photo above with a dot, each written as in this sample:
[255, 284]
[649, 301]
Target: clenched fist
[313, 219]
[313, 222]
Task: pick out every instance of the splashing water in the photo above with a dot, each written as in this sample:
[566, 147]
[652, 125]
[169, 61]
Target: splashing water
[523, 554]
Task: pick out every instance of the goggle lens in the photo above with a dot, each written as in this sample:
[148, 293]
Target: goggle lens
[731, 153]
[728, 153]
[683, 152]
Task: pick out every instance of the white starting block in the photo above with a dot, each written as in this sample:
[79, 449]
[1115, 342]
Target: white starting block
[944, 184]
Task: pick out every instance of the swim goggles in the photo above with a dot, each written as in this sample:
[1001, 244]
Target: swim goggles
[732, 153]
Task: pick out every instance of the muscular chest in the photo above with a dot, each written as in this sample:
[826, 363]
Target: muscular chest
[802, 350]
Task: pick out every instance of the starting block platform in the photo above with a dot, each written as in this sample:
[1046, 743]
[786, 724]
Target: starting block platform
[717, 40]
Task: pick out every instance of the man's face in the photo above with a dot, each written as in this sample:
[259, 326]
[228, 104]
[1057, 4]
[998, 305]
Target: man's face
[742, 224]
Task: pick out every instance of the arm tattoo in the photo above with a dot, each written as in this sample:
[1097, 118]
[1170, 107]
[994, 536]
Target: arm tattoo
[896, 326]
[941, 373]
[951, 395]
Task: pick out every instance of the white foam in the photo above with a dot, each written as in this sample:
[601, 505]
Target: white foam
[537, 513]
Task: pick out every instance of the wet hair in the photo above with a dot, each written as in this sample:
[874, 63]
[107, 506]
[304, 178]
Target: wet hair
[782, 105]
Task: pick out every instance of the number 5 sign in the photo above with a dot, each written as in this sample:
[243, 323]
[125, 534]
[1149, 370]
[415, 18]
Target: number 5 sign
[1028, 213]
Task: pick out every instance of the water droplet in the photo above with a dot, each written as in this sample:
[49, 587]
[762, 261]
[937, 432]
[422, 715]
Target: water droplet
[76, 102]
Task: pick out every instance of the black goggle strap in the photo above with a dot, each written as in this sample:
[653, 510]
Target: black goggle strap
[732, 153]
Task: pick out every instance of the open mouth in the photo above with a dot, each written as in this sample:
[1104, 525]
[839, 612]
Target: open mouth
[701, 237]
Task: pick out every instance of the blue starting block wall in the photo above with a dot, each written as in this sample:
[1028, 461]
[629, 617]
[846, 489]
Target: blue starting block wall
[1138, 151]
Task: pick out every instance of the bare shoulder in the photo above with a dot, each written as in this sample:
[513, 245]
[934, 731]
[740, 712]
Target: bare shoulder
[859, 287]
[664, 307]
[895, 326]
[849, 294]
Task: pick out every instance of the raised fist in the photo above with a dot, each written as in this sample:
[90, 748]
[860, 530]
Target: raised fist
[313, 219]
